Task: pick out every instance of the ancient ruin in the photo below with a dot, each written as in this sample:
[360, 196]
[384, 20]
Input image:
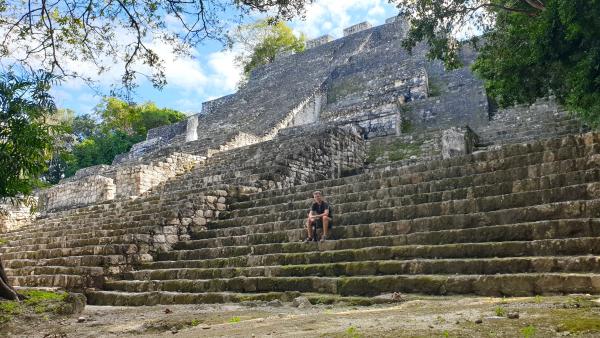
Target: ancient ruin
[434, 191]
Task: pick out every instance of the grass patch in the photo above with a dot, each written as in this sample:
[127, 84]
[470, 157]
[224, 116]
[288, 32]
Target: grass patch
[3, 241]
[395, 151]
[235, 320]
[406, 126]
[340, 90]
[434, 89]
[37, 302]
[401, 151]
[500, 311]
[376, 150]
[9, 309]
[580, 325]
[352, 332]
[195, 322]
[528, 332]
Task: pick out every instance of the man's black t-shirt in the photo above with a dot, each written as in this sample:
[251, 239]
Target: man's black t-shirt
[320, 208]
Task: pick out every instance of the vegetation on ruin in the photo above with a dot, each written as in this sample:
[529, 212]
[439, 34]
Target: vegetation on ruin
[396, 151]
[260, 42]
[527, 49]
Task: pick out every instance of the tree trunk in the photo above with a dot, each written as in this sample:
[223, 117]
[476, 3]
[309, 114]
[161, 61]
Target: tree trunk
[6, 291]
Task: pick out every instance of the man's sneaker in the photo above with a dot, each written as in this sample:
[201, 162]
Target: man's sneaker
[307, 240]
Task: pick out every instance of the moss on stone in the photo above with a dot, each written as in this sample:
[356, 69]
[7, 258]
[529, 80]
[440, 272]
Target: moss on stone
[343, 89]
[376, 150]
[401, 151]
[406, 126]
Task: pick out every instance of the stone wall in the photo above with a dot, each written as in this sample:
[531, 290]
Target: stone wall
[209, 107]
[14, 215]
[318, 41]
[85, 191]
[167, 132]
[458, 141]
[357, 28]
[132, 181]
[122, 181]
[321, 152]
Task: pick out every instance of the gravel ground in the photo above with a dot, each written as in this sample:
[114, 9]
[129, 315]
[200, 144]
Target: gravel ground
[413, 317]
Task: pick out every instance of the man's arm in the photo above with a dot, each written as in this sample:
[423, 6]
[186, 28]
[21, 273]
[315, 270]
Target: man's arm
[325, 213]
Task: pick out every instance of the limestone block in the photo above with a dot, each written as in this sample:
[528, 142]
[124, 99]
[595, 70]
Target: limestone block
[357, 28]
[458, 141]
[14, 215]
[88, 190]
[191, 133]
[318, 41]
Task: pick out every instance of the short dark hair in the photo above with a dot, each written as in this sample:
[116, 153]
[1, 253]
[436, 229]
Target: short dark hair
[317, 192]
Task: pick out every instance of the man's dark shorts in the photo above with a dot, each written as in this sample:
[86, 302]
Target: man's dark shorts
[318, 223]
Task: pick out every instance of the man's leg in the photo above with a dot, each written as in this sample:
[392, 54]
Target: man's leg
[325, 220]
[309, 228]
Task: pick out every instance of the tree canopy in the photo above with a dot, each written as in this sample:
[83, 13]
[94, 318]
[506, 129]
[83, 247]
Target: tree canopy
[58, 36]
[527, 48]
[118, 126]
[259, 43]
[26, 139]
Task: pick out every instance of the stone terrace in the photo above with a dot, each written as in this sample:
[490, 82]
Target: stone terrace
[519, 220]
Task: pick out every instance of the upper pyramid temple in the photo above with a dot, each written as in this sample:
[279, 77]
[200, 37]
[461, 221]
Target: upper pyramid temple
[434, 191]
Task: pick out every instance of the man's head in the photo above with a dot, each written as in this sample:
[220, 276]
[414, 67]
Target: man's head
[318, 196]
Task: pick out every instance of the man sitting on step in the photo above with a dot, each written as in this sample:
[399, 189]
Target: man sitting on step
[319, 216]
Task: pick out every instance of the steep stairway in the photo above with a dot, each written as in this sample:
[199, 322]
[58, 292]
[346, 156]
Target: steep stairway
[522, 219]
[524, 123]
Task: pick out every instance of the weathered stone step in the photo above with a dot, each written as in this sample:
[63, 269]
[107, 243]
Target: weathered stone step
[135, 233]
[80, 228]
[85, 240]
[499, 233]
[115, 298]
[399, 233]
[467, 266]
[524, 137]
[523, 125]
[393, 209]
[69, 282]
[56, 270]
[545, 211]
[545, 247]
[71, 261]
[480, 158]
[96, 208]
[112, 249]
[564, 165]
[403, 176]
[476, 186]
[485, 285]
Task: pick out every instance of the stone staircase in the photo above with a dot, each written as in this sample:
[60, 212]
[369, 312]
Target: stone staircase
[519, 220]
[523, 123]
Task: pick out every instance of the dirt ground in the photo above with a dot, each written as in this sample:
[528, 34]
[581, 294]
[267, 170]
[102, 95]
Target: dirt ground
[413, 317]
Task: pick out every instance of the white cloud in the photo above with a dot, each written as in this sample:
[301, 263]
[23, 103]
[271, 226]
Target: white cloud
[226, 74]
[184, 72]
[332, 16]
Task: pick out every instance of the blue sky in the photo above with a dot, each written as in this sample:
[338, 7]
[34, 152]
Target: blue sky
[210, 72]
